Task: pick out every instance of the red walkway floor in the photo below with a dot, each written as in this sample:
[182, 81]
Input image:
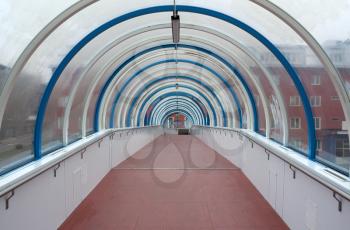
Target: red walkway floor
[176, 182]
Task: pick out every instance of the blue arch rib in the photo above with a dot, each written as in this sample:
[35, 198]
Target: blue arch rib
[173, 104]
[197, 48]
[175, 111]
[183, 103]
[168, 8]
[182, 100]
[208, 52]
[122, 88]
[208, 88]
[157, 101]
[191, 100]
[172, 94]
[158, 119]
[154, 121]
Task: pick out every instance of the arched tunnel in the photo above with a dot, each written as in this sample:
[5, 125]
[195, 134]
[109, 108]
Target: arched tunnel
[230, 114]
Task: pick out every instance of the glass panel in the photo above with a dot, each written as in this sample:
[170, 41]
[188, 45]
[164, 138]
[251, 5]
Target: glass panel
[43, 62]
[326, 29]
[21, 20]
[330, 29]
[112, 58]
[183, 69]
[27, 19]
[139, 84]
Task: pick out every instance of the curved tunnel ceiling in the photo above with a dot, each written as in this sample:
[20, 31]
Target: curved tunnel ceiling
[197, 115]
[123, 71]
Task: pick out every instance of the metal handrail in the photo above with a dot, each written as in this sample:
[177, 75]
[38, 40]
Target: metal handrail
[82, 145]
[294, 167]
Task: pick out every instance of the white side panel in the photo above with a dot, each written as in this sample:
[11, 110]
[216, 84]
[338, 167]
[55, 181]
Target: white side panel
[276, 183]
[170, 131]
[255, 167]
[310, 205]
[38, 204]
[97, 165]
[118, 149]
[302, 202]
[226, 143]
[45, 201]
[125, 145]
[73, 182]
[84, 171]
[137, 141]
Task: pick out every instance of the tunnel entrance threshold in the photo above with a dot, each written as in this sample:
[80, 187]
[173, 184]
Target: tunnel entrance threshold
[183, 132]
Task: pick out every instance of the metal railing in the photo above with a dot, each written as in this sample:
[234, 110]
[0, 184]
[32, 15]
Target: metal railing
[270, 147]
[14, 179]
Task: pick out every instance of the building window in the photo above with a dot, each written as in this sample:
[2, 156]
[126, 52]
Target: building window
[334, 98]
[10, 132]
[316, 80]
[318, 145]
[296, 143]
[59, 123]
[291, 57]
[342, 147]
[276, 79]
[317, 121]
[295, 123]
[294, 101]
[257, 100]
[338, 58]
[273, 124]
[315, 101]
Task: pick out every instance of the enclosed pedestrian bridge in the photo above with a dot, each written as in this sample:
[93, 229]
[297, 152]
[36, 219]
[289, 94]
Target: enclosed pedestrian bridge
[229, 114]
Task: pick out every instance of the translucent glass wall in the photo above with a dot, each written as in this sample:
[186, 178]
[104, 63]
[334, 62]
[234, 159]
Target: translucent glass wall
[240, 64]
[331, 32]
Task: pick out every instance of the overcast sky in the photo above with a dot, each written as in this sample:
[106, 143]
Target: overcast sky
[325, 19]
